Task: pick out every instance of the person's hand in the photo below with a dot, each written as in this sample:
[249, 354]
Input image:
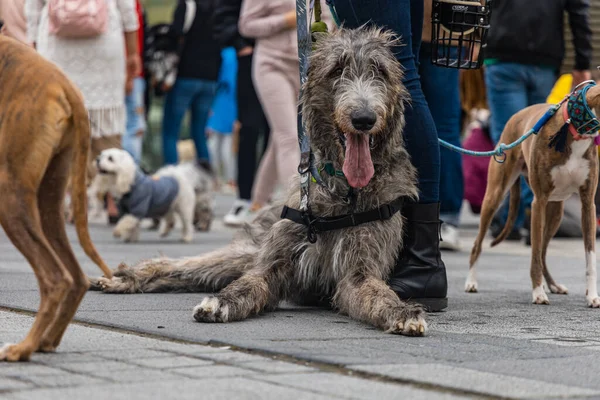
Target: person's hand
[290, 19]
[581, 76]
[134, 65]
[245, 51]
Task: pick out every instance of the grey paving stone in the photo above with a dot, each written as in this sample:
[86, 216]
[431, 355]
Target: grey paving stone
[138, 375]
[477, 381]
[218, 389]
[232, 357]
[355, 388]
[64, 380]
[27, 369]
[212, 371]
[169, 362]
[91, 367]
[7, 384]
[274, 366]
[131, 354]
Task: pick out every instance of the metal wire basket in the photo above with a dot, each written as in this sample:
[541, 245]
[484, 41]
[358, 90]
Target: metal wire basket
[459, 31]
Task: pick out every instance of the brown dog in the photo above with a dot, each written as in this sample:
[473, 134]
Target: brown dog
[44, 129]
[553, 177]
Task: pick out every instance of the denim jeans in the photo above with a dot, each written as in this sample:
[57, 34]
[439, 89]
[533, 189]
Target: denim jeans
[441, 89]
[510, 88]
[136, 120]
[197, 95]
[405, 17]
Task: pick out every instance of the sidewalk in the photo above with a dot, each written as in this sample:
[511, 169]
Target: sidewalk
[493, 344]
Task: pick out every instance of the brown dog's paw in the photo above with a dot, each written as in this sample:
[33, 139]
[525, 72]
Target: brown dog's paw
[593, 302]
[540, 296]
[559, 289]
[211, 309]
[15, 352]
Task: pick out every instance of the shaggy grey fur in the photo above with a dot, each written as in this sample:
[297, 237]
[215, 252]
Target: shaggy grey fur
[271, 259]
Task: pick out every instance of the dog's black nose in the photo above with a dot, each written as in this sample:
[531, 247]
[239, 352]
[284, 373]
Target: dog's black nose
[363, 120]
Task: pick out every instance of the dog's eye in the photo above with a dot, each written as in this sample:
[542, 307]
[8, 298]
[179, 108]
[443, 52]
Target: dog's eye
[338, 71]
[381, 71]
[110, 158]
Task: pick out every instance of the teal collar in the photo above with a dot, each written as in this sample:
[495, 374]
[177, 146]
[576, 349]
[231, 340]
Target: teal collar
[330, 170]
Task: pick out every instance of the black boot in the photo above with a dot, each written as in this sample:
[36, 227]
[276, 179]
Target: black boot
[420, 274]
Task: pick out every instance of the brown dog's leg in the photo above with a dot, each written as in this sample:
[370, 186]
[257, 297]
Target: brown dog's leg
[538, 221]
[20, 218]
[369, 299]
[500, 178]
[554, 213]
[50, 200]
[588, 223]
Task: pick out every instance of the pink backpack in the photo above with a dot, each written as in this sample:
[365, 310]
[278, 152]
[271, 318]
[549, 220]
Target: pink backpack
[77, 18]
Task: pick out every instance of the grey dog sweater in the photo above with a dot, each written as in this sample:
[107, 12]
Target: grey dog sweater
[149, 197]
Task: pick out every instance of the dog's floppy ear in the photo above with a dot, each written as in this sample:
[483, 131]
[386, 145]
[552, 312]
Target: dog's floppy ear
[126, 173]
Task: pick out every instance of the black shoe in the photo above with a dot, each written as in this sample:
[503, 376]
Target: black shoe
[420, 274]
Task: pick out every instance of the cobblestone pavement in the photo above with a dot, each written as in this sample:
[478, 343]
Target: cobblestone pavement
[493, 344]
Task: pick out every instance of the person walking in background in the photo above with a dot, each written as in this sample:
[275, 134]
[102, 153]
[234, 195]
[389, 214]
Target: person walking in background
[253, 123]
[99, 66]
[134, 101]
[196, 83]
[441, 89]
[524, 53]
[276, 78]
[15, 22]
[223, 120]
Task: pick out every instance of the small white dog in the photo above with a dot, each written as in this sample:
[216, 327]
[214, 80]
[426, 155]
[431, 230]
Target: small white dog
[179, 189]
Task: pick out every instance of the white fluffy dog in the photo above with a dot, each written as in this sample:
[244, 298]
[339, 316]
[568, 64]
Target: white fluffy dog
[172, 190]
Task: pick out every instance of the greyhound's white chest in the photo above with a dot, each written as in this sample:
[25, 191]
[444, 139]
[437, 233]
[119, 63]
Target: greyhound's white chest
[569, 177]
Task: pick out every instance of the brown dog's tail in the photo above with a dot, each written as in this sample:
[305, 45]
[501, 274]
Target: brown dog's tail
[513, 210]
[81, 130]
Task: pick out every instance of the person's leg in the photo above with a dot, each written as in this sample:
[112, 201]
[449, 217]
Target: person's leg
[201, 104]
[506, 87]
[177, 101]
[419, 273]
[441, 89]
[136, 123]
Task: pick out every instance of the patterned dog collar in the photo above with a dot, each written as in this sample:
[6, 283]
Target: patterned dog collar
[580, 120]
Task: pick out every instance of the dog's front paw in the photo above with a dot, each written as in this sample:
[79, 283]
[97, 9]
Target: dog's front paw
[211, 309]
[114, 285]
[540, 296]
[15, 352]
[117, 233]
[471, 287]
[187, 239]
[410, 323]
[593, 302]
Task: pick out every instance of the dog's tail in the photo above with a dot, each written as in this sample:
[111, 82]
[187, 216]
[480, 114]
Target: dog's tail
[207, 273]
[81, 130]
[513, 210]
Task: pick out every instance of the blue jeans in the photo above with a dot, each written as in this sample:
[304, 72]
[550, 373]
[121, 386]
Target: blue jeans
[510, 88]
[441, 89]
[136, 120]
[405, 17]
[196, 95]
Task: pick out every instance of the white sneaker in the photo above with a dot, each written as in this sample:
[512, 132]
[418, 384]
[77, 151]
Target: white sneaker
[239, 214]
[450, 238]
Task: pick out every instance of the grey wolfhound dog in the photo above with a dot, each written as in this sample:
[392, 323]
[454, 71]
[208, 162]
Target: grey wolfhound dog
[354, 114]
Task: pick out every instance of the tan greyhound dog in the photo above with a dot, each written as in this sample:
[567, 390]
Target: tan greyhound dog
[44, 139]
[555, 167]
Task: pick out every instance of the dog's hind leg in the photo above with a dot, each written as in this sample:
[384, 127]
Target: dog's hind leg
[588, 223]
[207, 273]
[50, 199]
[20, 217]
[167, 224]
[538, 223]
[554, 213]
[369, 299]
[501, 177]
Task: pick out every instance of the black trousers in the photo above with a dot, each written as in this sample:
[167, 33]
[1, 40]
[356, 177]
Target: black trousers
[253, 125]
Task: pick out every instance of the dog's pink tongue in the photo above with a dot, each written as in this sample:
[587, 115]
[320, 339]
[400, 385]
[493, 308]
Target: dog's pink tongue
[358, 166]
